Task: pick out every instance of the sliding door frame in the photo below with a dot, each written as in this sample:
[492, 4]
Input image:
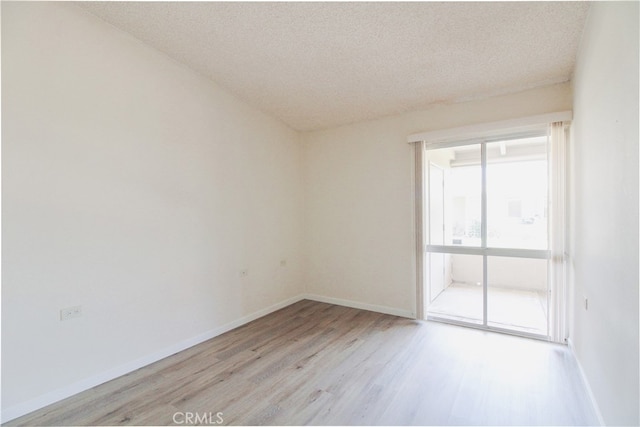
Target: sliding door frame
[483, 134]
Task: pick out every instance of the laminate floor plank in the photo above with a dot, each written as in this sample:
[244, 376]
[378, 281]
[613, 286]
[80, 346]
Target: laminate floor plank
[319, 364]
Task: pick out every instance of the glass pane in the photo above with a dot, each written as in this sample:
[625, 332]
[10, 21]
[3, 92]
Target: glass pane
[517, 193]
[455, 287]
[454, 184]
[517, 294]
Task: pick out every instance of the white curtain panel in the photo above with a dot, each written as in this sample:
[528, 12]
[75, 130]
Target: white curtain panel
[558, 132]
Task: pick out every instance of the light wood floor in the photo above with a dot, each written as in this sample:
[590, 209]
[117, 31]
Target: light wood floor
[320, 364]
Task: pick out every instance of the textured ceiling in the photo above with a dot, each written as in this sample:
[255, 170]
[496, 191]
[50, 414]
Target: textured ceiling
[319, 65]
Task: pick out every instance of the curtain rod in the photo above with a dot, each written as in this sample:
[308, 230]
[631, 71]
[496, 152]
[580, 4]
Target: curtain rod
[485, 128]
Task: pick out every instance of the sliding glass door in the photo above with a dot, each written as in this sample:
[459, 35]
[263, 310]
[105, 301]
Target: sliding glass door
[487, 232]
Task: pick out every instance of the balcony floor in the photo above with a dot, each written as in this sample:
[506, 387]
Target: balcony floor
[514, 309]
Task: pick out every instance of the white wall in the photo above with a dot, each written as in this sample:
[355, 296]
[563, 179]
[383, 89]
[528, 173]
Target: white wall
[359, 201]
[503, 272]
[604, 239]
[133, 187]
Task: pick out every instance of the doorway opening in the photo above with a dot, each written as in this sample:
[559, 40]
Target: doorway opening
[488, 223]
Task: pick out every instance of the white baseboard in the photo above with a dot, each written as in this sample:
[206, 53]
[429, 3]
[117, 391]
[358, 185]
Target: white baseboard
[362, 306]
[585, 381]
[87, 383]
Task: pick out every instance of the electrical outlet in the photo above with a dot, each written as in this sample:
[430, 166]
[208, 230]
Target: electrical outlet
[244, 272]
[70, 312]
